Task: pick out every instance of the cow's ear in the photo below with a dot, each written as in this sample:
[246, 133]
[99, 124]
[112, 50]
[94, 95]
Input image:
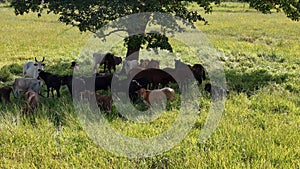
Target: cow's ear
[35, 64]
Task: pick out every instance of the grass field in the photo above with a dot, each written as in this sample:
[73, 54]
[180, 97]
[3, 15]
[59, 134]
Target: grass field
[260, 127]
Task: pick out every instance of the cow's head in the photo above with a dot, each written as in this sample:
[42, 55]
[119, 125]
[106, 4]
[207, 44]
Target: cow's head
[39, 64]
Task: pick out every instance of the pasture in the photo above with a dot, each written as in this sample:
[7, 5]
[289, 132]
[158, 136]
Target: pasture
[259, 128]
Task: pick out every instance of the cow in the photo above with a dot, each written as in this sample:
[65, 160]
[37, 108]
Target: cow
[155, 76]
[52, 82]
[128, 65]
[31, 69]
[32, 101]
[153, 64]
[144, 63]
[216, 92]
[75, 66]
[109, 60]
[154, 96]
[101, 82]
[197, 70]
[134, 85]
[104, 102]
[69, 80]
[132, 72]
[5, 94]
[25, 84]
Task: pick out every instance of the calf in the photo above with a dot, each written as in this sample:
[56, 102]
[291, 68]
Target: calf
[31, 69]
[32, 101]
[5, 94]
[198, 72]
[24, 84]
[52, 82]
[104, 102]
[134, 85]
[154, 96]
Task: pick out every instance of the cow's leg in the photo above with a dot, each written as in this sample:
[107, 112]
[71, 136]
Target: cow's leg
[105, 65]
[52, 89]
[57, 92]
[114, 67]
[95, 68]
[24, 70]
[109, 68]
[18, 93]
[48, 91]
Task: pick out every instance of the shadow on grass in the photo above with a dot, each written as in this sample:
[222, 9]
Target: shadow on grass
[7, 72]
[249, 82]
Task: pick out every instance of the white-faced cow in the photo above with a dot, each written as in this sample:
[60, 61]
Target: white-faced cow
[31, 69]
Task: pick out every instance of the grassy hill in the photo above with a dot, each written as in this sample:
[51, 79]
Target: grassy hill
[258, 129]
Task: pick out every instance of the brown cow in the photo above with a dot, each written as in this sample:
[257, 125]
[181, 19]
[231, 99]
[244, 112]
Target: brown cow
[144, 63]
[149, 63]
[32, 101]
[153, 64]
[5, 94]
[154, 96]
[104, 102]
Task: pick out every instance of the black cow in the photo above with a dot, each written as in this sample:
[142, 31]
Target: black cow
[109, 61]
[52, 82]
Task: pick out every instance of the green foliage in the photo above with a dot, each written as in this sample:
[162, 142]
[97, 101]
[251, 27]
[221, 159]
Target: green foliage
[258, 129]
[15, 69]
[290, 8]
[93, 15]
[5, 74]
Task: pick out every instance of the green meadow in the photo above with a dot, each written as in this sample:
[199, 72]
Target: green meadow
[259, 128]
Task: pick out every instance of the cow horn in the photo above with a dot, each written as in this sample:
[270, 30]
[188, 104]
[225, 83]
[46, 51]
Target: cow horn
[35, 59]
[43, 59]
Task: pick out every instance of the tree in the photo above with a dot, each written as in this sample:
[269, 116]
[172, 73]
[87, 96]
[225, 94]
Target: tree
[91, 15]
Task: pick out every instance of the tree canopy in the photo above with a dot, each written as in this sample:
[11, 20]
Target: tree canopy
[91, 15]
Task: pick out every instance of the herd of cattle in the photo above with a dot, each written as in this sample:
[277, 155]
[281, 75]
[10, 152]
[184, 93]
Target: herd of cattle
[145, 80]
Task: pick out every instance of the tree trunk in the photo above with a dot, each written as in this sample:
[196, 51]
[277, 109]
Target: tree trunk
[136, 32]
[133, 49]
